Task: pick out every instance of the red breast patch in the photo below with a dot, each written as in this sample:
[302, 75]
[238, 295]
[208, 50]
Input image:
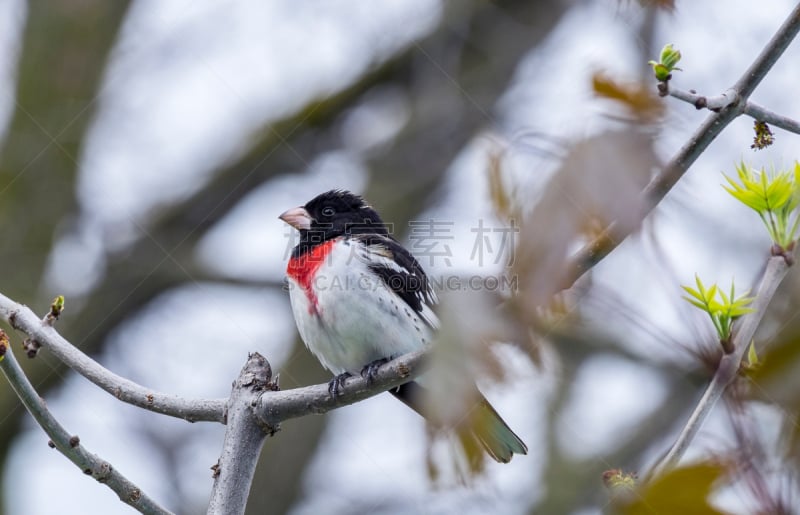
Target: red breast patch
[303, 269]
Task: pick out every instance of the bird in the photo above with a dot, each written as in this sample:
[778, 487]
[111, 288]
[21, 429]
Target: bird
[360, 299]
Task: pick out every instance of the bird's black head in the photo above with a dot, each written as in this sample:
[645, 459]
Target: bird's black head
[332, 214]
[338, 212]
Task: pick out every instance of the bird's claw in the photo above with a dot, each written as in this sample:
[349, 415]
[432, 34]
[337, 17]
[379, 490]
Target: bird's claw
[336, 384]
[369, 371]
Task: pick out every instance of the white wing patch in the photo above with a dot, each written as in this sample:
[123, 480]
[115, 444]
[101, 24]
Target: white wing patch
[377, 254]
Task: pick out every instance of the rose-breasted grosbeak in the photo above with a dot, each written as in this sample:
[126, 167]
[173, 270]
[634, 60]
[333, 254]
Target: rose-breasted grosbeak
[359, 299]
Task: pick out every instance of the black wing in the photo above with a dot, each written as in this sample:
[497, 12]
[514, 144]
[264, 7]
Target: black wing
[401, 273]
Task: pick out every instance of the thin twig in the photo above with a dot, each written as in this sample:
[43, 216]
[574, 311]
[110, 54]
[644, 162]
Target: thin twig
[729, 365]
[602, 245]
[22, 318]
[701, 101]
[70, 445]
[763, 114]
[769, 55]
[752, 109]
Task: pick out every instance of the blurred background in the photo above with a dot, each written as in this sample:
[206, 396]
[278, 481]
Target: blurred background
[147, 148]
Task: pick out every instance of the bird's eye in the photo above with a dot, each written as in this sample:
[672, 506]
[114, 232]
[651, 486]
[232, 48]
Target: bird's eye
[328, 211]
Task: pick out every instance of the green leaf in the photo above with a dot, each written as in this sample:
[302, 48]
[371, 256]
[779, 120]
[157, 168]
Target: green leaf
[737, 312]
[711, 293]
[694, 293]
[778, 191]
[661, 71]
[665, 52]
[774, 196]
[725, 299]
[721, 308]
[696, 303]
[666, 64]
[670, 57]
[700, 286]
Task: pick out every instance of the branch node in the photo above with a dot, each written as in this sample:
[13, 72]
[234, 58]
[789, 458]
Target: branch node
[31, 347]
[258, 374]
[787, 254]
[403, 370]
[74, 441]
[101, 471]
[269, 429]
[104, 472]
[701, 103]
[12, 320]
[727, 346]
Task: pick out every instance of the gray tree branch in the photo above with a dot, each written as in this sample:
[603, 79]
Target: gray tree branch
[729, 365]
[273, 407]
[22, 318]
[594, 252]
[752, 109]
[70, 445]
[255, 408]
[244, 437]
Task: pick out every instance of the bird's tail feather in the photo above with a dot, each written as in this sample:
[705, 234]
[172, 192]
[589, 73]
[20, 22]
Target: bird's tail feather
[484, 424]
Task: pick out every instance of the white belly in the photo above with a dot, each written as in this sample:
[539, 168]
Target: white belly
[355, 322]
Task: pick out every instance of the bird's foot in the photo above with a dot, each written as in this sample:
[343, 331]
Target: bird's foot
[336, 384]
[369, 371]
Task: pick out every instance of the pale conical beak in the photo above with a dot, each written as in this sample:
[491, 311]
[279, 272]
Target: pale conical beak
[298, 218]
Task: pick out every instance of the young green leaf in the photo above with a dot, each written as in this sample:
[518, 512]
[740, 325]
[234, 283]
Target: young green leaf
[721, 308]
[775, 197]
